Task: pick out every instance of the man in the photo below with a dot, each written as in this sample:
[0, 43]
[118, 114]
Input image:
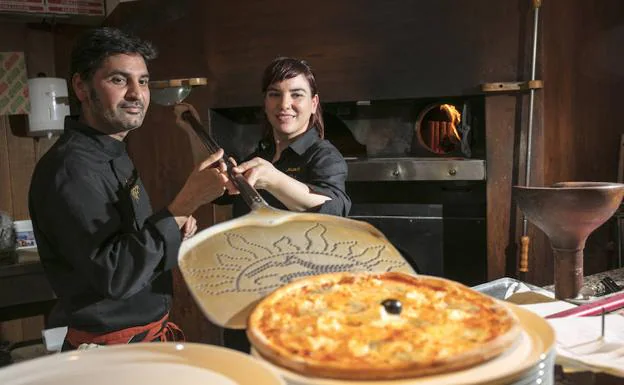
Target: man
[106, 254]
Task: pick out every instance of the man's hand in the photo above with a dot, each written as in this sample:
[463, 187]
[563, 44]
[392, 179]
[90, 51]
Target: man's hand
[189, 228]
[181, 108]
[206, 183]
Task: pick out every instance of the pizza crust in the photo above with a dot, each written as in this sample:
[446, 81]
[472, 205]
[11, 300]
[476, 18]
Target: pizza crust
[350, 369]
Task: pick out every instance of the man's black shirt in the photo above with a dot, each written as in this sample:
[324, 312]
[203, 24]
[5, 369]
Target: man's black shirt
[106, 255]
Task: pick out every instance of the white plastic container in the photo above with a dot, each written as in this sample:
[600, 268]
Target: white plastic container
[54, 338]
[49, 104]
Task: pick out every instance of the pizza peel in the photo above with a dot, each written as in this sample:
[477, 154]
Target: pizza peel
[230, 266]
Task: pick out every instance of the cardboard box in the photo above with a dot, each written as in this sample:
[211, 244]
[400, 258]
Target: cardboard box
[24, 6]
[24, 234]
[13, 84]
[64, 7]
[77, 3]
[76, 7]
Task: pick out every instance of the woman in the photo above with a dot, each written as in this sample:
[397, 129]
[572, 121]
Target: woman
[293, 167]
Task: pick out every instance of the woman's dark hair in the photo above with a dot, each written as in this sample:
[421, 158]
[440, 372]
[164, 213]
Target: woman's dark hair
[93, 47]
[283, 68]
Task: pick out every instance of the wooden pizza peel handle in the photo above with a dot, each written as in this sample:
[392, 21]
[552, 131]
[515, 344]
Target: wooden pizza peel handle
[249, 194]
[524, 254]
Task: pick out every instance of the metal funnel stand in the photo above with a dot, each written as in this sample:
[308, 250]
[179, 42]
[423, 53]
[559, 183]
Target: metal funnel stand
[568, 212]
[170, 92]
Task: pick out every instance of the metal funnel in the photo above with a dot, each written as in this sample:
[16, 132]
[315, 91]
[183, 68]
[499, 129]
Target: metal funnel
[170, 92]
[568, 212]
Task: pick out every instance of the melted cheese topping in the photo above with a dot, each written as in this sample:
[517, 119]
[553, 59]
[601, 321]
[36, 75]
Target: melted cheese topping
[345, 321]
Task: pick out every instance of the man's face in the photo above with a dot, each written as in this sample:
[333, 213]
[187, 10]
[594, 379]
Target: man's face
[116, 99]
[288, 105]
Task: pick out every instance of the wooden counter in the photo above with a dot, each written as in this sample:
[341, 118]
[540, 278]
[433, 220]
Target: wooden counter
[24, 291]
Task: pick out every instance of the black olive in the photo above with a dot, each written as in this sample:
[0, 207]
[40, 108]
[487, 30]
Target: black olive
[392, 306]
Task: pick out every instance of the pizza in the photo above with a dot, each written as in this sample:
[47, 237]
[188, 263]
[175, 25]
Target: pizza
[373, 326]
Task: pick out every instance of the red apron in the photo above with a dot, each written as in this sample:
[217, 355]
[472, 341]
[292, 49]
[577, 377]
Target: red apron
[161, 330]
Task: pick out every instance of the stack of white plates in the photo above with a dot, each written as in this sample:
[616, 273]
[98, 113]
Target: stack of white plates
[541, 374]
[144, 363]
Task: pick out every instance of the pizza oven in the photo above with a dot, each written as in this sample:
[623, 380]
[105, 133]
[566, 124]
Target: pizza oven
[416, 172]
[420, 178]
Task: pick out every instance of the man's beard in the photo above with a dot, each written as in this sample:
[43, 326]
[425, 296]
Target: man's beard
[114, 120]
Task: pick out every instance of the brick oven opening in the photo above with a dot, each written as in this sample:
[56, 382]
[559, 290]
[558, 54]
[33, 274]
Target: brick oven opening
[437, 129]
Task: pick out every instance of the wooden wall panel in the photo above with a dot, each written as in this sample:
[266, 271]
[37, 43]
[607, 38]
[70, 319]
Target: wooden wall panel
[21, 164]
[12, 330]
[19, 153]
[364, 49]
[620, 177]
[6, 197]
[20, 160]
[584, 76]
[587, 66]
[501, 137]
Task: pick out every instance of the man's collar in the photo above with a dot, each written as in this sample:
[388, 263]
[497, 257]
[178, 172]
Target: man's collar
[110, 146]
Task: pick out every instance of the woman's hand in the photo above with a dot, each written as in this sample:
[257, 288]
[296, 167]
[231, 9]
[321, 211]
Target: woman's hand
[295, 195]
[260, 173]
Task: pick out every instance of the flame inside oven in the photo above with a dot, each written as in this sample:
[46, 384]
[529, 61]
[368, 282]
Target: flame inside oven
[437, 130]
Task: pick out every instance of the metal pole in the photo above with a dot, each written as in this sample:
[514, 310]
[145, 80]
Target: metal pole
[531, 103]
[620, 225]
[527, 178]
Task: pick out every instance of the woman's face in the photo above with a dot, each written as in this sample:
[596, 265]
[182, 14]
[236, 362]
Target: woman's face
[288, 105]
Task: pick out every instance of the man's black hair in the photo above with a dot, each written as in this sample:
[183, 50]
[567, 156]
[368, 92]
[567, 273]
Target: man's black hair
[98, 44]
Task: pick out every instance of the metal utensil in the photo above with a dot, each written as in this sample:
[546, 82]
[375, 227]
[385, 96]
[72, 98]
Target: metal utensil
[610, 285]
[609, 304]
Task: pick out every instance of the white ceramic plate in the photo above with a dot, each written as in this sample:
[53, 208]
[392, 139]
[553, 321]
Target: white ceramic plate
[524, 358]
[144, 363]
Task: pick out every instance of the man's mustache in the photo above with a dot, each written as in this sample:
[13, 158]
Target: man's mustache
[132, 105]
